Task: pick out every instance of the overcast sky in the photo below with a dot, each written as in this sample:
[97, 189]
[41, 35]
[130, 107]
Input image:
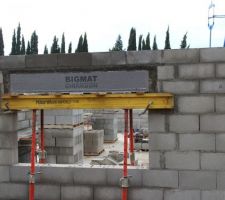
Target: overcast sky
[103, 20]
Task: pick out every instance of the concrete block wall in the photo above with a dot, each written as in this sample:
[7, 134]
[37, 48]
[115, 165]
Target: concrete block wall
[186, 145]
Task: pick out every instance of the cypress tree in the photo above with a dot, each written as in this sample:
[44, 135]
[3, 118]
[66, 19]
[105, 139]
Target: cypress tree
[1, 43]
[63, 44]
[28, 51]
[132, 40]
[70, 48]
[85, 44]
[167, 41]
[183, 44]
[34, 43]
[22, 50]
[18, 40]
[143, 45]
[80, 45]
[140, 43]
[118, 44]
[147, 42]
[13, 49]
[46, 50]
[55, 47]
[154, 46]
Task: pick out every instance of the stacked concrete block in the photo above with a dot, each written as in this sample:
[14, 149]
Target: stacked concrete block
[106, 120]
[63, 136]
[93, 142]
[8, 141]
[64, 145]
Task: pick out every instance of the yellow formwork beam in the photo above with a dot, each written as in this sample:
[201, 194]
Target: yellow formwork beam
[89, 101]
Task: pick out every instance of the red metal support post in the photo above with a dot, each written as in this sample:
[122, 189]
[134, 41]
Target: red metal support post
[124, 180]
[42, 152]
[33, 158]
[132, 156]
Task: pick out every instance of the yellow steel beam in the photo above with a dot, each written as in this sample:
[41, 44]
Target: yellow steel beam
[89, 101]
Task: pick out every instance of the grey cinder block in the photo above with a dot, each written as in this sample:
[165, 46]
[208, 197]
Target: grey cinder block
[107, 193]
[14, 61]
[165, 72]
[156, 122]
[50, 192]
[20, 173]
[182, 160]
[180, 56]
[8, 156]
[220, 142]
[145, 194]
[220, 180]
[33, 61]
[143, 57]
[8, 121]
[184, 123]
[212, 54]
[89, 176]
[212, 86]
[213, 161]
[109, 58]
[17, 191]
[180, 87]
[8, 140]
[220, 104]
[213, 195]
[220, 70]
[76, 60]
[202, 180]
[212, 123]
[155, 159]
[159, 141]
[64, 142]
[182, 195]
[58, 175]
[4, 173]
[76, 192]
[192, 142]
[196, 104]
[196, 71]
[160, 178]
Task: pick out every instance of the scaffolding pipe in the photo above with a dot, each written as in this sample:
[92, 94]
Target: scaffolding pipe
[132, 156]
[125, 175]
[33, 152]
[42, 159]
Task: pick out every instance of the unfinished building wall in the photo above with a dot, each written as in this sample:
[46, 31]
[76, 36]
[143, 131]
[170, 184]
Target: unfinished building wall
[187, 155]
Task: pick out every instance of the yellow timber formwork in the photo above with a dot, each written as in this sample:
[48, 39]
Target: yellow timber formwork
[88, 101]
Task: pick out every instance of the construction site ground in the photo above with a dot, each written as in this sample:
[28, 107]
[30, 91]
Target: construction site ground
[142, 157]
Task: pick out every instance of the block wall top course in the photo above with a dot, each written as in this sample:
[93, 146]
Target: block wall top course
[112, 60]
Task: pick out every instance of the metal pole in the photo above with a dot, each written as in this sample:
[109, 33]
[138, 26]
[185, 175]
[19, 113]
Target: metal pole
[125, 176]
[33, 150]
[132, 156]
[210, 37]
[42, 160]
